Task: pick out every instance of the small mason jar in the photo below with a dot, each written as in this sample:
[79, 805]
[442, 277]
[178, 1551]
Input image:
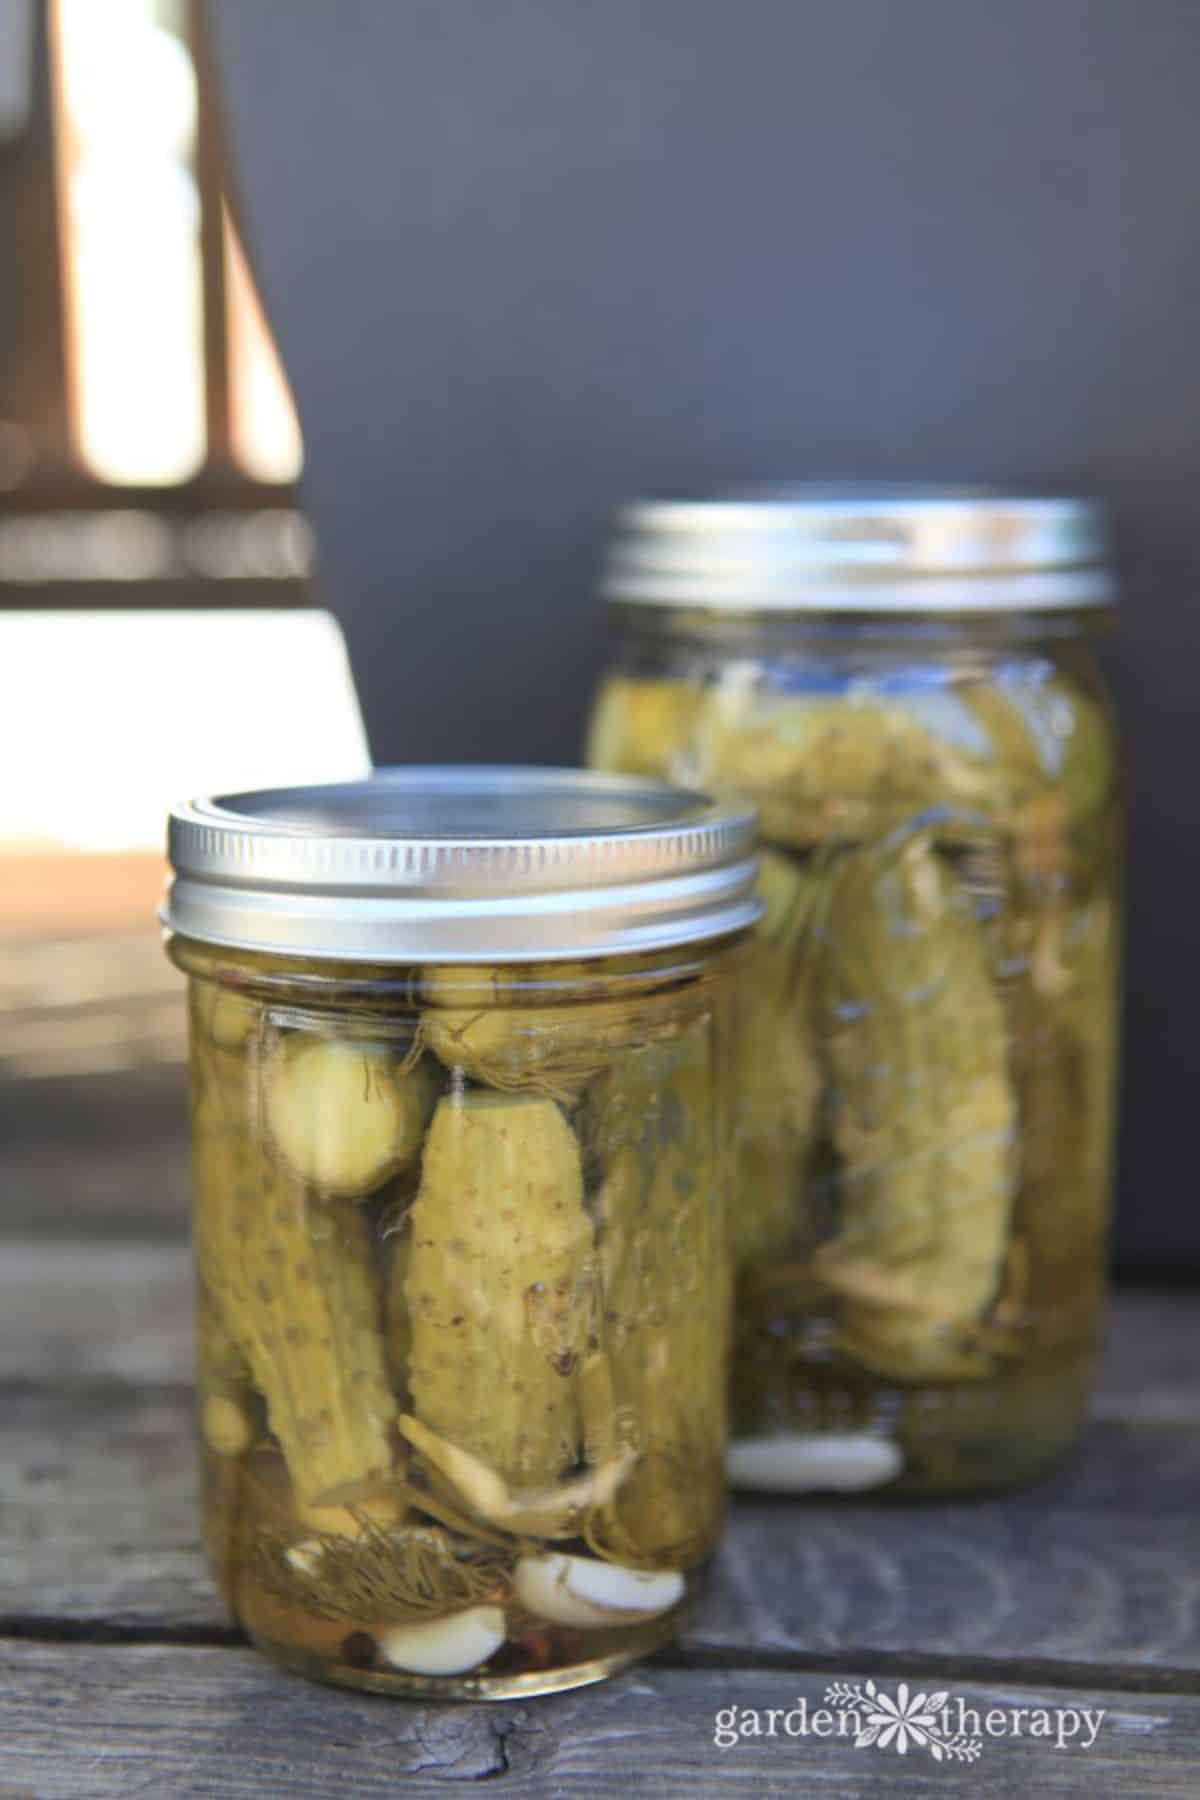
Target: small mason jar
[457, 1058]
[904, 686]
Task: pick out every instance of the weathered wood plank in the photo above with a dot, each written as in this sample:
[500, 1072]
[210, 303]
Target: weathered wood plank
[79, 1307]
[1096, 1567]
[101, 1154]
[1151, 1365]
[95, 1004]
[98, 1511]
[98, 1722]
[92, 1311]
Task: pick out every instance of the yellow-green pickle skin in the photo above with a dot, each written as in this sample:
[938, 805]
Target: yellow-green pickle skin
[497, 1288]
[462, 1313]
[294, 1291]
[923, 1115]
[778, 1077]
[663, 1280]
[926, 1034]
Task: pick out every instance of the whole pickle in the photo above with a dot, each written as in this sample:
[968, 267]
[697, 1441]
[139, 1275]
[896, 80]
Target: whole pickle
[551, 1049]
[923, 1115]
[778, 1081]
[291, 1280]
[1026, 755]
[226, 1018]
[664, 1275]
[1054, 741]
[641, 725]
[1090, 1010]
[496, 1285]
[1062, 1009]
[538, 985]
[820, 768]
[1052, 738]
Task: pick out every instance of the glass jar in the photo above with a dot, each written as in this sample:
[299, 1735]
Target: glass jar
[905, 688]
[463, 1284]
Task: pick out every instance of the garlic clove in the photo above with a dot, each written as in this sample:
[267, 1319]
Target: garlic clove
[448, 1646]
[540, 1583]
[822, 1462]
[642, 1593]
[342, 1114]
[583, 1591]
[226, 1427]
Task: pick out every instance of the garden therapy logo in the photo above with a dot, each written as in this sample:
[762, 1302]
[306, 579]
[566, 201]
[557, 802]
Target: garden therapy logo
[944, 1727]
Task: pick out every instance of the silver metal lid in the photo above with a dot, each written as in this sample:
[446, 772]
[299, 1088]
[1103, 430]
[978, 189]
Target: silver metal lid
[862, 549]
[461, 864]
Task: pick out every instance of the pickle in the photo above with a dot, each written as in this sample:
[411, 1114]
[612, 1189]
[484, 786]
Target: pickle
[344, 1115]
[923, 1117]
[537, 986]
[1026, 756]
[290, 1277]
[1091, 1019]
[1053, 738]
[552, 1050]
[496, 1285]
[664, 1275]
[224, 1391]
[782, 1096]
[821, 769]
[642, 726]
[778, 1081]
[226, 1018]
[1063, 1014]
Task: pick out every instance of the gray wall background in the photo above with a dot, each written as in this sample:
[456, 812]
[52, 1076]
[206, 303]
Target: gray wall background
[526, 257]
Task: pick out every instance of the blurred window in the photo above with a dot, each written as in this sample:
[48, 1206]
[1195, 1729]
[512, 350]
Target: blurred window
[264, 429]
[124, 122]
[110, 716]
[158, 636]
[149, 446]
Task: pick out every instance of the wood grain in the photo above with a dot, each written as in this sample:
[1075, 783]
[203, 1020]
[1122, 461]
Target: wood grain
[79, 1306]
[122, 1676]
[1151, 1367]
[101, 1155]
[1095, 1568]
[80, 1311]
[88, 1003]
[98, 1722]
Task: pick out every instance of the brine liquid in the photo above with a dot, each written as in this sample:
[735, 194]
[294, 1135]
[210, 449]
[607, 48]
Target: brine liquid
[462, 1321]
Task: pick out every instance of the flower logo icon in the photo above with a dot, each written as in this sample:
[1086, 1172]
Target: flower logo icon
[908, 1719]
[902, 1721]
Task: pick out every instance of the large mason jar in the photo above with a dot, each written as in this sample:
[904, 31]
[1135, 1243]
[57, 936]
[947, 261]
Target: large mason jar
[904, 686]
[457, 1067]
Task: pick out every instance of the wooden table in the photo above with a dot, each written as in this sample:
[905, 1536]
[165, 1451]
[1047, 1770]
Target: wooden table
[121, 1676]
